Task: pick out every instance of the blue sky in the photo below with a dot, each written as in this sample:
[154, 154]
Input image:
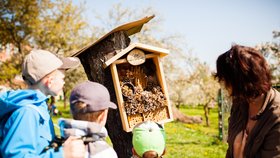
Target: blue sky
[209, 27]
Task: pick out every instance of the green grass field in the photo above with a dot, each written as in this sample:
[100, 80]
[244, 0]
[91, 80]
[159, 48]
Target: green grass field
[194, 140]
[185, 140]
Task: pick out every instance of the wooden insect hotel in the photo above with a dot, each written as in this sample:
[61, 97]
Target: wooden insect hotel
[140, 85]
[139, 82]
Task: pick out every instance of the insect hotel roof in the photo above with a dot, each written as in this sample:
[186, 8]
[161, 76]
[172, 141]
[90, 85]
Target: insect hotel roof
[151, 49]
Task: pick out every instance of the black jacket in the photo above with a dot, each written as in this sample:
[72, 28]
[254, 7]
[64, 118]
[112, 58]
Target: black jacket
[264, 139]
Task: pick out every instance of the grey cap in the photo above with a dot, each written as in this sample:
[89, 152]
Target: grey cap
[38, 63]
[93, 94]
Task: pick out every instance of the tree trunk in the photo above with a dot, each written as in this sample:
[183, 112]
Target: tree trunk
[179, 116]
[177, 105]
[206, 113]
[92, 61]
[64, 100]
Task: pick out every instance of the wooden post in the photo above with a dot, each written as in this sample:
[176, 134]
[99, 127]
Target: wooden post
[92, 60]
[221, 119]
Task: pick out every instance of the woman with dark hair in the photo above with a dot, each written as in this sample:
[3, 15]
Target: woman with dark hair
[254, 123]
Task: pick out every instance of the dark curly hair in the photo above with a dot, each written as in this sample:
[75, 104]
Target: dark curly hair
[245, 71]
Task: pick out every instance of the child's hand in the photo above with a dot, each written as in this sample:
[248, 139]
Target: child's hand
[74, 148]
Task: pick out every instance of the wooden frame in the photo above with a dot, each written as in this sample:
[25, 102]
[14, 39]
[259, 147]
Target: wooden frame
[164, 112]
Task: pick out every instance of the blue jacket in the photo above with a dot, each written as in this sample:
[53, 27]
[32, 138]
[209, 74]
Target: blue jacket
[25, 125]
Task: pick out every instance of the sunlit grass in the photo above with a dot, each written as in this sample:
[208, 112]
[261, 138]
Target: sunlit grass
[194, 140]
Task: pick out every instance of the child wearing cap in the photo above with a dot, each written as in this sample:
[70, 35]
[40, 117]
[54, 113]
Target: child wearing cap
[26, 128]
[89, 103]
[148, 140]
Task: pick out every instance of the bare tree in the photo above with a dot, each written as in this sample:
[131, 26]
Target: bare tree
[271, 50]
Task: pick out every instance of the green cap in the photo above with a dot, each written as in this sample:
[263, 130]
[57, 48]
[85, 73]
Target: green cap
[148, 136]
